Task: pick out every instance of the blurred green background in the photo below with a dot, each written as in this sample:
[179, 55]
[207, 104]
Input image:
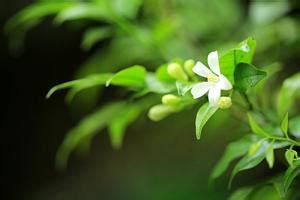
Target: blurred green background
[59, 40]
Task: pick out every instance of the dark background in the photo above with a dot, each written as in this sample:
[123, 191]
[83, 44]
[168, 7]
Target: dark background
[33, 127]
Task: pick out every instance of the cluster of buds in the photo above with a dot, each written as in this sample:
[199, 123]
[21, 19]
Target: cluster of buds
[182, 73]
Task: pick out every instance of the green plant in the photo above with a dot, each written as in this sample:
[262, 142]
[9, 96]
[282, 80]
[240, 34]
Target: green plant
[152, 35]
[173, 82]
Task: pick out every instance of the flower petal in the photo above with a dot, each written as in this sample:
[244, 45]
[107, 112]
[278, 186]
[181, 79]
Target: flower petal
[201, 69]
[214, 95]
[224, 83]
[213, 62]
[200, 89]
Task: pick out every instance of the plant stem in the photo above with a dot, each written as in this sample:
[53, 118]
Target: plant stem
[285, 139]
[245, 96]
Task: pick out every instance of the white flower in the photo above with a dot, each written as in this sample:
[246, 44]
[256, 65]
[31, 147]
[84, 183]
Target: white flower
[215, 80]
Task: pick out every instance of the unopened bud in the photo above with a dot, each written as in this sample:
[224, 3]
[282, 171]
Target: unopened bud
[175, 71]
[224, 102]
[158, 112]
[170, 99]
[188, 67]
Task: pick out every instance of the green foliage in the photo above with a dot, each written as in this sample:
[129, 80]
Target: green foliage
[249, 161]
[130, 77]
[153, 84]
[86, 128]
[294, 126]
[204, 113]
[285, 124]
[83, 11]
[254, 148]
[161, 31]
[255, 127]
[94, 35]
[243, 53]
[246, 76]
[266, 192]
[291, 173]
[270, 156]
[34, 13]
[81, 84]
[241, 194]
[290, 155]
[257, 192]
[120, 122]
[288, 94]
[167, 80]
[234, 150]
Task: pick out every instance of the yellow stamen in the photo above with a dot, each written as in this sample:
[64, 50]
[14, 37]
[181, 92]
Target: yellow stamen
[212, 78]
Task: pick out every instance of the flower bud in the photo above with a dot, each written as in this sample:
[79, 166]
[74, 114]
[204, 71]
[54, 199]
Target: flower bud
[176, 71]
[188, 67]
[170, 99]
[158, 112]
[224, 102]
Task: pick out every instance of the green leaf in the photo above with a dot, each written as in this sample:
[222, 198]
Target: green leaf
[81, 84]
[249, 162]
[17, 27]
[34, 12]
[241, 194]
[291, 173]
[285, 124]
[86, 128]
[119, 123]
[294, 126]
[290, 155]
[83, 10]
[204, 113]
[246, 76]
[125, 8]
[270, 156]
[130, 77]
[242, 53]
[153, 84]
[94, 35]
[265, 192]
[255, 127]
[288, 93]
[233, 150]
[254, 148]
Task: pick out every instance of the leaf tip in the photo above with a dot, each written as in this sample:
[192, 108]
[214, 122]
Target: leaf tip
[49, 94]
[198, 136]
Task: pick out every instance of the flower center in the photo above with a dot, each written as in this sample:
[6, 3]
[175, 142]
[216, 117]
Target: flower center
[212, 78]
